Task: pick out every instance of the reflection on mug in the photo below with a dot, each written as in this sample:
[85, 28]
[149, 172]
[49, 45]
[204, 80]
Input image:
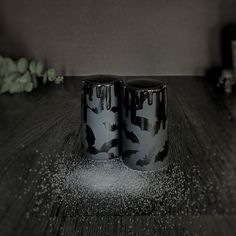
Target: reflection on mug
[145, 125]
[101, 117]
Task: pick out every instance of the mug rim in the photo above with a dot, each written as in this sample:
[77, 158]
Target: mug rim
[158, 85]
[102, 79]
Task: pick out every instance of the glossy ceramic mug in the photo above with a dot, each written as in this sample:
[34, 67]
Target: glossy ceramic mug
[145, 125]
[101, 111]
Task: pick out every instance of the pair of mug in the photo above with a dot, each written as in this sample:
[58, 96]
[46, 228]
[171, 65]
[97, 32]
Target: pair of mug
[125, 120]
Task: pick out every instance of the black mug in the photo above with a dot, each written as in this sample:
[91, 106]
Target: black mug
[145, 125]
[101, 114]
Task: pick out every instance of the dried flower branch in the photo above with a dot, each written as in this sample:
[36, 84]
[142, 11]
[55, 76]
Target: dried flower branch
[23, 75]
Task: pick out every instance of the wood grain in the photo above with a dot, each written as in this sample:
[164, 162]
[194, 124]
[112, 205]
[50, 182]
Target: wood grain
[202, 141]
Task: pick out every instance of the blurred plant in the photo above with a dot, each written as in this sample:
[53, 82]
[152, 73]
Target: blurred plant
[23, 75]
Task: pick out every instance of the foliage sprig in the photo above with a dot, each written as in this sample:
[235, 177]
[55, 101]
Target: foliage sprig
[22, 75]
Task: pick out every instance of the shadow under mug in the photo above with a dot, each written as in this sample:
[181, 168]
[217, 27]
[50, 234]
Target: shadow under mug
[101, 111]
[145, 125]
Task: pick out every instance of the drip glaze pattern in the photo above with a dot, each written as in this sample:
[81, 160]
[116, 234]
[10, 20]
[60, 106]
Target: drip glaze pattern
[101, 138]
[145, 124]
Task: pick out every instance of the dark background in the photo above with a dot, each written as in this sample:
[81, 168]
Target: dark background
[135, 37]
[40, 130]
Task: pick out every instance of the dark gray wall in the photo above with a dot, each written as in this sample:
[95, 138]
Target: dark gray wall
[129, 37]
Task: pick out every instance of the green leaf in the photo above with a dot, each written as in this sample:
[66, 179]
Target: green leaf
[15, 88]
[11, 65]
[32, 67]
[51, 74]
[39, 69]
[5, 88]
[22, 65]
[28, 87]
[25, 78]
[11, 77]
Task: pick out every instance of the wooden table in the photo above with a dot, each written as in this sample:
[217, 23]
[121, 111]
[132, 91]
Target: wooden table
[202, 141]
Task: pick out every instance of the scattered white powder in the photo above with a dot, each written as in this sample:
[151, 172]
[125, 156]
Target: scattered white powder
[87, 187]
[110, 178]
[60, 184]
[71, 186]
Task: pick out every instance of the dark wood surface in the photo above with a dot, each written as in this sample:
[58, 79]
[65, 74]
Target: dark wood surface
[202, 132]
